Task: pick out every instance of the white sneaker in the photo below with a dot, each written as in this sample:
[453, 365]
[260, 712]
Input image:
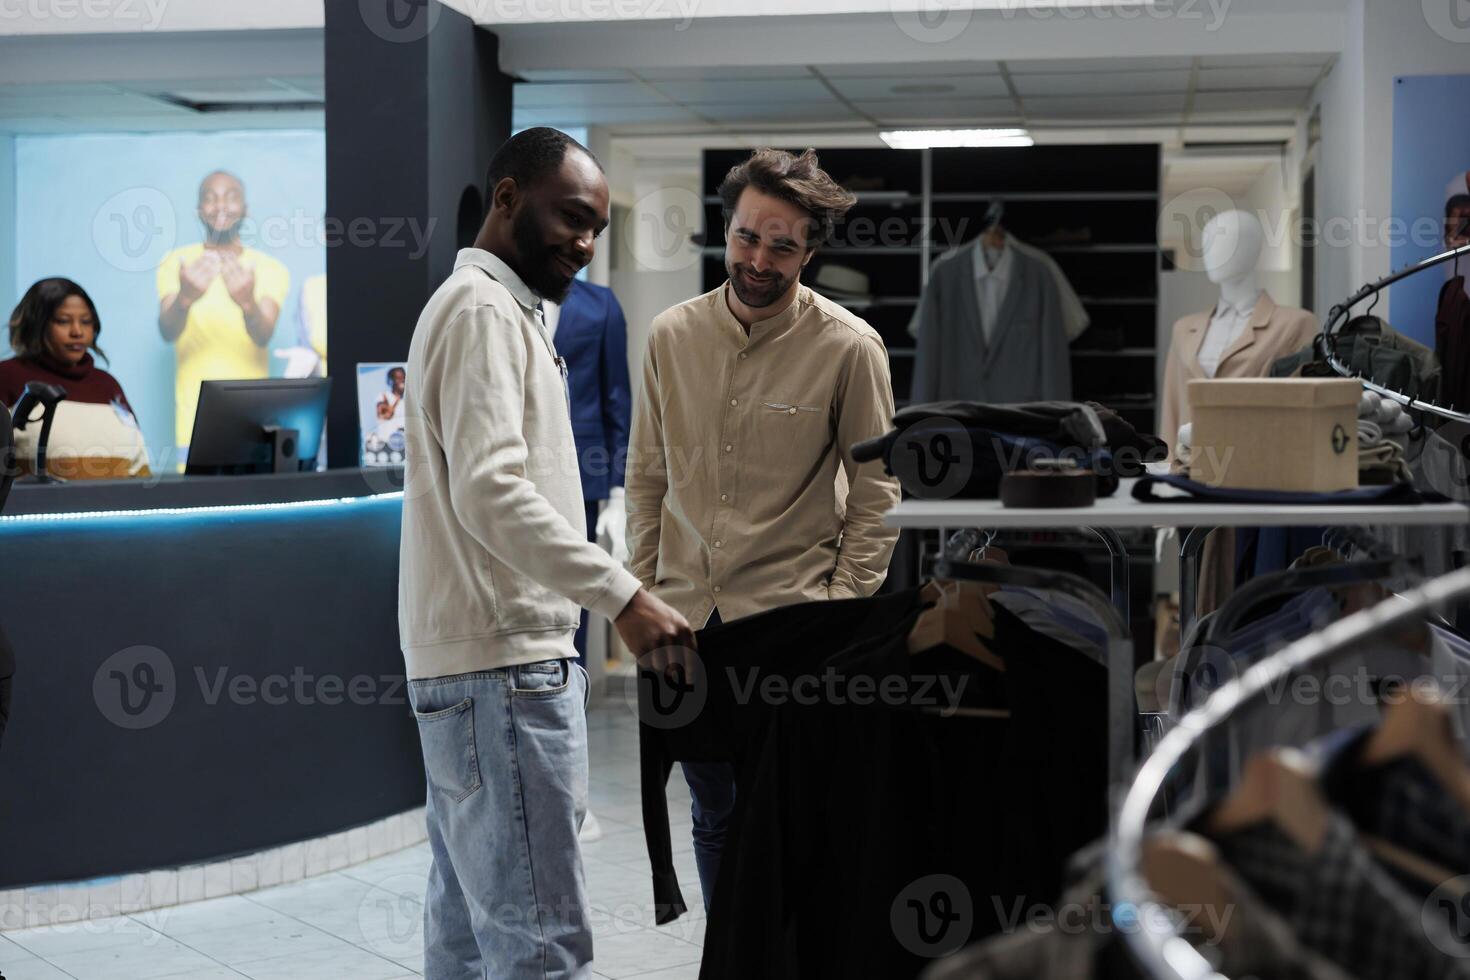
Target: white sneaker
[591, 829]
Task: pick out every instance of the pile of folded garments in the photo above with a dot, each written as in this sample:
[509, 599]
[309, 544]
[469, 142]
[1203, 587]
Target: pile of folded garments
[958, 449]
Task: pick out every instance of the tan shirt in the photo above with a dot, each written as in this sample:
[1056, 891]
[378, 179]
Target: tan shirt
[741, 490]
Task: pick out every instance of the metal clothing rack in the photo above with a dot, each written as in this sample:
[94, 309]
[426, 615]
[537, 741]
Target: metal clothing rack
[1119, 662]
[1150, 928]
[1338, 314]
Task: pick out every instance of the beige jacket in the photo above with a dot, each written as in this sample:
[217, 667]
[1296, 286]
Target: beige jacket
[494, 557]
[1274, 332]
[742, 493]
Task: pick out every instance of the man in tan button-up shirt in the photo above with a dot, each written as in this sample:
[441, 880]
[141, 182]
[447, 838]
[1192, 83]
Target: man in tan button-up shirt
[742, 495]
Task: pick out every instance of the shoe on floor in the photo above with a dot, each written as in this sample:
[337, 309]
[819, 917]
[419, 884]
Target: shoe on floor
[591, 829]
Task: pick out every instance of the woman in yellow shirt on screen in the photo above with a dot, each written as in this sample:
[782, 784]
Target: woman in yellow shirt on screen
[218, 301]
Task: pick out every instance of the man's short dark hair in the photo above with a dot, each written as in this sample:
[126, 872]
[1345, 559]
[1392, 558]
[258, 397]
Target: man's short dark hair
[798, 180]
[529, 156]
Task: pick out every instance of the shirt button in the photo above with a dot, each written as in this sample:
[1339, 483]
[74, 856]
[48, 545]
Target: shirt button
[729, 448]
[717, 588]
[719, 544]
[724, 497]
[742, 355]
[791, 411]
[734, 401]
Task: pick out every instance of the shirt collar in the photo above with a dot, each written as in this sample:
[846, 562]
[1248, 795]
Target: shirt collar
[1245, 309]
[761, 327]
[501, 273]
[1002, 265]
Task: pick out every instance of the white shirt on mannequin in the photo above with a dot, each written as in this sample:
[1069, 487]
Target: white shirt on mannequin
[1226, 326]
[992, 277]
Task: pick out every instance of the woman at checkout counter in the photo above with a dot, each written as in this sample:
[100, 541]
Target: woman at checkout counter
[94, 434]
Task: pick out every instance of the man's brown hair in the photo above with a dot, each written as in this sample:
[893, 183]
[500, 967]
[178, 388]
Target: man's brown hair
[796, 179]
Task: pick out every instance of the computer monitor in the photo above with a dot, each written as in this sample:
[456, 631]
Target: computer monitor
[267, 426]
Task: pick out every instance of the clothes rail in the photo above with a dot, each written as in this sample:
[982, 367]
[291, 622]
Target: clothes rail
[1122, 714]
[1151, 929]
[1339, 314]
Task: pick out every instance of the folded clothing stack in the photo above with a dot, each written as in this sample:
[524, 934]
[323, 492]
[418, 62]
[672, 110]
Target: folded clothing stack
[956, 449]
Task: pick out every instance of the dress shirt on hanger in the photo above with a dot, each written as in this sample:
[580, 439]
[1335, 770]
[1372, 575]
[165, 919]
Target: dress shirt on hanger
[1226, 326]
[992, 277]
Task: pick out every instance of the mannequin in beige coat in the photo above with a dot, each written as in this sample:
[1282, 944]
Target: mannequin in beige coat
[1232, 249]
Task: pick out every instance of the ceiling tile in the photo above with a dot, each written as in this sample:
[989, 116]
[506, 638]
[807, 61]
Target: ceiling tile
[1263, 60]
[604, 115]
[1102, 83]
[918, 112]
[545, 94]
[1280, 76]
[1104, 107]
[900, 69]
[778, 112]
[757, 91]
[953, 87]
[1052, 66]
[715, 73]
[1287, 99]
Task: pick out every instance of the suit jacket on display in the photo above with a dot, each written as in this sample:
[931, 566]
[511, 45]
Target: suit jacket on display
[1274, 332]
[593, 337]
[1026, 357]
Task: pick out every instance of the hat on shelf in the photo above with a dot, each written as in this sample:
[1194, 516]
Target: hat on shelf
[843, 284]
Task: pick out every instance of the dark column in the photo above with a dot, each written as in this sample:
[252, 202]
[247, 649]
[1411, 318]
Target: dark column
[416, 105]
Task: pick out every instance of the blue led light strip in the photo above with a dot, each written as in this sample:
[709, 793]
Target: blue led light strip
[92, 515]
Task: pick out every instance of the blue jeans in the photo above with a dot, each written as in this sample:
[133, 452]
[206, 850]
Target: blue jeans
[505, 752]
[712, 800]
[712, 795]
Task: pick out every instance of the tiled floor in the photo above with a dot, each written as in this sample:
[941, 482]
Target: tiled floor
[366, 922]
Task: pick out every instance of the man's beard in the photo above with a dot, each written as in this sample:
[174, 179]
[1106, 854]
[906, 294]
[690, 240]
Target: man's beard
[756, 296]
[226, 236]
[539, 268]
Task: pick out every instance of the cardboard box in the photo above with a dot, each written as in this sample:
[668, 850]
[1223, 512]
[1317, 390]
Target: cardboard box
[1275, 433]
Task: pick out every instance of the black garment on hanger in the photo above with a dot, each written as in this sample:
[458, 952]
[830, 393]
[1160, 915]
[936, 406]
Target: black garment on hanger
[1452, 343]
[860, 827]
[720, 717]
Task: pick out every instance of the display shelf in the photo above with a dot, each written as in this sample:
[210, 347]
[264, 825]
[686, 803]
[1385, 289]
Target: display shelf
[1122, 511]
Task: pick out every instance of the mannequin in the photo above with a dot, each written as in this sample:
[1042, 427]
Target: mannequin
[1240, 338]
[1242, 335]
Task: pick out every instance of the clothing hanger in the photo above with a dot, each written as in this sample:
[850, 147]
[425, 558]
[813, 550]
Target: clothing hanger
[1032, 578]
[959, 619]
[1278, 787]
[1418, 727]
[1185, 870]
[991, 232]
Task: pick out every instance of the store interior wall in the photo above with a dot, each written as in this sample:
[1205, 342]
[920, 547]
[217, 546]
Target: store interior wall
[1381, 41]
[8, 244]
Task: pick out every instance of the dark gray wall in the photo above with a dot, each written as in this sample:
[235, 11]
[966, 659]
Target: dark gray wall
[414, 112]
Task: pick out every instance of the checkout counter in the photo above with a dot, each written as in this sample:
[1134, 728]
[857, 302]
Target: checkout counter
[206, 667]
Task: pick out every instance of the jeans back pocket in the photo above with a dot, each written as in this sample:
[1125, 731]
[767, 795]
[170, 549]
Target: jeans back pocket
[451, 760]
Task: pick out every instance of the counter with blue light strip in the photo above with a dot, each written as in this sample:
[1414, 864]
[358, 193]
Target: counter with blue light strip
[206, 667]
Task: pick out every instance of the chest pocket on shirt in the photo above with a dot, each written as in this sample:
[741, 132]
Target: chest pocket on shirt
[795, 436]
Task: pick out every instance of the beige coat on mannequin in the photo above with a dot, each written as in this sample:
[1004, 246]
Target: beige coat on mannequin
[1274, 332]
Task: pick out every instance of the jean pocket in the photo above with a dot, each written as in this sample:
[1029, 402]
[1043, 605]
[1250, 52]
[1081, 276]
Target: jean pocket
[451, 760]
[545, 679]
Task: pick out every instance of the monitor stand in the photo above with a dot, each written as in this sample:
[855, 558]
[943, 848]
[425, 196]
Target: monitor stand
[284, 444]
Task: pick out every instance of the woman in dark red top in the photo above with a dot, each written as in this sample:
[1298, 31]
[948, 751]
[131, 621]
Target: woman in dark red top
[53, 332]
